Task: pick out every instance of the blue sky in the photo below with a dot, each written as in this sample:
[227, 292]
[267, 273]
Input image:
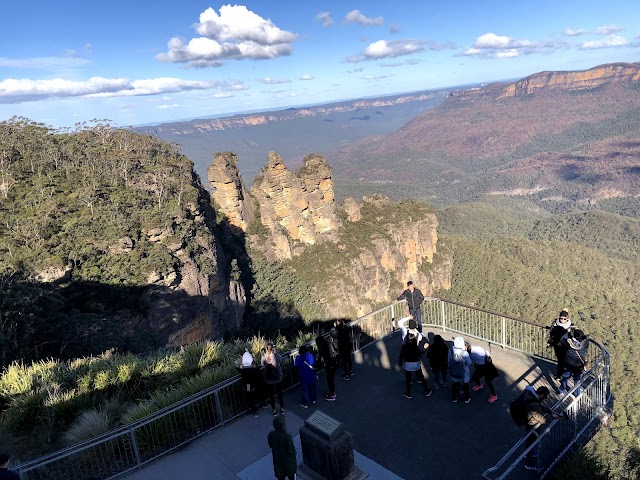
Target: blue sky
[142, 61]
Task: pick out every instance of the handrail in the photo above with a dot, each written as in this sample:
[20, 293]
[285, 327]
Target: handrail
[131, 446]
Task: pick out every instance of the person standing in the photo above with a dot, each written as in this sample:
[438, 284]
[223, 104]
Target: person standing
[283, 451]
[575, 359]
[557, 330]
[345, 347]
[483, 368]
[272, 365]
[250, 381]
[5, 472]
[459, 363]
[438, 355]
[409, 360]
[330, 365]
[305, 362]
[414, 298]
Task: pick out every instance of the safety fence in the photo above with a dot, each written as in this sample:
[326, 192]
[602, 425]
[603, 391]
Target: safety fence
[132, 446]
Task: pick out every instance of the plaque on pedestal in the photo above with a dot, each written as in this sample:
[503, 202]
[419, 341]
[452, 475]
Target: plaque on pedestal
[327, 450]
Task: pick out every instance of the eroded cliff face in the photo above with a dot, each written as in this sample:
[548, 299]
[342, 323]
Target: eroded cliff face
[294, 211]
[229, 192]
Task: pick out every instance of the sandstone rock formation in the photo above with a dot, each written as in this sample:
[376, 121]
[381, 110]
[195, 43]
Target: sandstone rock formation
[352, 209]
[229, 192]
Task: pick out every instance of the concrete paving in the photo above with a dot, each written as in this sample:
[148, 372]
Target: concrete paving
[394, 437]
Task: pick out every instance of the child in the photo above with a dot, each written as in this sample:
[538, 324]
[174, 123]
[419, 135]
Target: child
[305, 362]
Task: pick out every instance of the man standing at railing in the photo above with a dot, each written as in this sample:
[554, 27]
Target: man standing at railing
[414, 299]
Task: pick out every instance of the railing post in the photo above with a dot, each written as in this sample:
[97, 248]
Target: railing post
[444, 319]
[504, 332]
[216, 397]
[134, 444]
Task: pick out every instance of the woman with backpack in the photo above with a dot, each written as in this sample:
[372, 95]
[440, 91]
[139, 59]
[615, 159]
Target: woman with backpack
[459, 363]
[272, 365]
[409, 360]
[575, 358]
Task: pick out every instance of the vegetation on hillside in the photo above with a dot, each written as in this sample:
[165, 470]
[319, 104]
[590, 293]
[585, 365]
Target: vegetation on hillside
[584, 262]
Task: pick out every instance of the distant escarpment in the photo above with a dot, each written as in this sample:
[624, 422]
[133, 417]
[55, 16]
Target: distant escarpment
[563, 139]
[355, 256]
[108, 240]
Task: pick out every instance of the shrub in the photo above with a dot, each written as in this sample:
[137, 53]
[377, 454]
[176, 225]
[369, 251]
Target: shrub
[90, 424]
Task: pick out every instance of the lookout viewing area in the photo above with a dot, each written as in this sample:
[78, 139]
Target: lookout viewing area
[210, 435]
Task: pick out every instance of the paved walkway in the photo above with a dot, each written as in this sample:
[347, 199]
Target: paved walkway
[415, 439]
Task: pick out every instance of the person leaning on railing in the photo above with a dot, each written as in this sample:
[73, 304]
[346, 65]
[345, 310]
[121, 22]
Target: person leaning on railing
[559, 327]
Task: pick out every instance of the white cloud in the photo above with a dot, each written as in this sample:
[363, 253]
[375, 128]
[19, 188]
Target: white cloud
[233, 86]
[490, 45]
[274, 81]
[325, 18]
[608, 29]
[24, 90]
[375, 77]
[570, 32]
[400, 64]
[608, 42]
[223, 95]
[491, 40]
[388, 49]
[306, 77]
[43, 63]
[354, 16]
[173, 105]
[235, 33]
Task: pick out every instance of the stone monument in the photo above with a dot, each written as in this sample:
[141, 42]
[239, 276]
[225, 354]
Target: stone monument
[327, 450]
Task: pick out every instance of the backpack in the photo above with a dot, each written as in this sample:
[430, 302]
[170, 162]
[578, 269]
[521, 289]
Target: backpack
[334, 350]
[518, 410]
[456, 367]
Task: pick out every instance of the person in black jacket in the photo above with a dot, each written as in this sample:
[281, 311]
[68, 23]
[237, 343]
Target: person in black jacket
[330, 358]
[344, 347]
[557, 330]
[414, 299]
[250, 380]
[409, 360]
[438, 355]
[575, 359]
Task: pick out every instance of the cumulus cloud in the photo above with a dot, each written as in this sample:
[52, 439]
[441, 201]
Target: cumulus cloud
[24, 90]
[325, 18]
[306, 77]
[274, 81]
[608, 29]
[354, 16]
[490, 45]
[608, 42]
[570, 32]
[172, 105]
[235, 33]
[396, 48]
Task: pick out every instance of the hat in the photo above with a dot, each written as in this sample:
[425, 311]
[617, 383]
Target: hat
[4, 458]
[564, 313]
[579, 335]
[247, 359]
[412, 324]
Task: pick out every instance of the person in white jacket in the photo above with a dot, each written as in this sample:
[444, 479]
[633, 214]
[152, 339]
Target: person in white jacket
[459, 363]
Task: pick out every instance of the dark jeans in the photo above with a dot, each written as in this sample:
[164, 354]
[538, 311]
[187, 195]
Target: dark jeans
[273, 390]
[253, 399]
[330, 370]
[347, 363]
[531, 457]
[308, 393]
[419, 377]
[478, 373]
[417, 316]
[439, 375]
[455, 389]
[576, 373]
[560, 352]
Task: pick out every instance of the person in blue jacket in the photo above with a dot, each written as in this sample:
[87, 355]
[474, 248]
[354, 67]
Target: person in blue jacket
[305, 362]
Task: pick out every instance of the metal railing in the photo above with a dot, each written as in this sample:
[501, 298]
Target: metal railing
[132, 446]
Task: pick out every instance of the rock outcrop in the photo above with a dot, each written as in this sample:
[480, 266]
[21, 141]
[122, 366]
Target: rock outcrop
[229, 192]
